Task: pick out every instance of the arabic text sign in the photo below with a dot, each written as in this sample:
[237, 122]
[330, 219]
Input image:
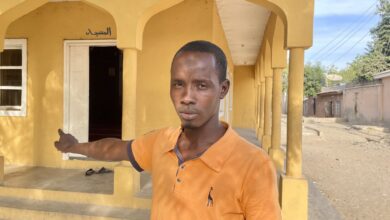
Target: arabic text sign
[106, 32]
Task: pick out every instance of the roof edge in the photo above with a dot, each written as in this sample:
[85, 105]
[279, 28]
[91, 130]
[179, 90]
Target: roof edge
[382, 75]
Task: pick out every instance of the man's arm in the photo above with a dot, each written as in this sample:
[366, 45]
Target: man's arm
[108, 149]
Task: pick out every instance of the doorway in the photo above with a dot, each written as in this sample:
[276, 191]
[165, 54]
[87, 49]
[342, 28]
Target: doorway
[105, 93]
[92, 90]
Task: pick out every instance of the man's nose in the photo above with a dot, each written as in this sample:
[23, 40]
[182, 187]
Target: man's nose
[188, 96]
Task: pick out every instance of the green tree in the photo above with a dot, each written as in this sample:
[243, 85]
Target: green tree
[377, 57]
[314, 79]
[381, 33]
[285, 79]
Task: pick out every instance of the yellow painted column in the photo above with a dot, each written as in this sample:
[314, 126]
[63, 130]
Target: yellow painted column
[266, 140]
[129, 93]
[294, 113]
[256, 100]
[294, 188]
[1, 169]
[256, 107]
[261, 105]
[129, 83]
[276, 153]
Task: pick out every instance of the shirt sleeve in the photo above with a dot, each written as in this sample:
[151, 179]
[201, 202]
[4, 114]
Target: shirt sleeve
[140, 151]
[260, 193]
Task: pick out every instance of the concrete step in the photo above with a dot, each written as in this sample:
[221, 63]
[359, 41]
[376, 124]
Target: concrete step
[146, 187]
[68, 185]
[21, 208]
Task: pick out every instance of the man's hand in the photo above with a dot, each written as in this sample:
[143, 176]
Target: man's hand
[65, 142]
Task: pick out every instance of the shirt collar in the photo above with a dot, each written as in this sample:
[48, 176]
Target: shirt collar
[216, 155]
[172, 140]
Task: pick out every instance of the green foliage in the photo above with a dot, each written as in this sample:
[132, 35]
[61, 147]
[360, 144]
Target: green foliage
[331, 70]
[381, 33]
[377, 58]
[314, 79]
[285, 80]
[348, 74]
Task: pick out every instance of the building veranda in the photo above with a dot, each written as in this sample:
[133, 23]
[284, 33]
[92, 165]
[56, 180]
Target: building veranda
[97, 68]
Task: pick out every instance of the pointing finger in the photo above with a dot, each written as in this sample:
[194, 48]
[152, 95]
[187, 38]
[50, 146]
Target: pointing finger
[60, 132]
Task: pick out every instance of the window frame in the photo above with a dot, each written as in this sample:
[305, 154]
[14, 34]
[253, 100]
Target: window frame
[22, 109]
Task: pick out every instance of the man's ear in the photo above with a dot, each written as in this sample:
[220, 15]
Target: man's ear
[225, 85]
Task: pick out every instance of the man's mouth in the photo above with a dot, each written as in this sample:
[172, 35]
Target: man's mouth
[188, 115]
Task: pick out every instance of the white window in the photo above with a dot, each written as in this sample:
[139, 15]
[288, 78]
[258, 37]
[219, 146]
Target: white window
[13, 78]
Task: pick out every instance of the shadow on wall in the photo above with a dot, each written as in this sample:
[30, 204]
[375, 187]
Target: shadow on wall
[24, 140]
[362, 105]
[48, 117]
[355, 117]
[16, 139]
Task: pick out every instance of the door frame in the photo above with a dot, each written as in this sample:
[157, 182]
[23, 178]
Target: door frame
[67, 45]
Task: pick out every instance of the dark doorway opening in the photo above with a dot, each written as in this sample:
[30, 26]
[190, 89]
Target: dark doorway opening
[105, 92]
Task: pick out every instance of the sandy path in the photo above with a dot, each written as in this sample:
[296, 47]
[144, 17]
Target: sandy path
[350, 167]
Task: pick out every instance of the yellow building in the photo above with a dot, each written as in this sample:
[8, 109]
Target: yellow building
[100, 68]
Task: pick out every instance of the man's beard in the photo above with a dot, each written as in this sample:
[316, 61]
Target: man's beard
[188, 125]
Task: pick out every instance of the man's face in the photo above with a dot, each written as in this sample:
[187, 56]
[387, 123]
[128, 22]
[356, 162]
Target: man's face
[195, 88]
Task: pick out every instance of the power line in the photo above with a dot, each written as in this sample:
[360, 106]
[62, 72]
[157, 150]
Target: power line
[351, 48]
[344, 40]
[342, 32]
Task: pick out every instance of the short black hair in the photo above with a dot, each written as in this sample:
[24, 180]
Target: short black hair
[207, 47]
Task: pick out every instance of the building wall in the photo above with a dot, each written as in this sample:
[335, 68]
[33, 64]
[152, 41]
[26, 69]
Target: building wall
[386, 100]
[29, 140]
[329, 105]
[244, 97]
[308, 107]
[363, 104]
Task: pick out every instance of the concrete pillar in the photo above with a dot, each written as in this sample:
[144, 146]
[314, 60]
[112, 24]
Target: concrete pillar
[256, 87]
[124, 173]
[276, 153]
[262, 101]
[129, 93]
[266, 140]
[294, 113]
[257, 114]
[294, 188]
[257, 102]
[126, 182]
[1, 170]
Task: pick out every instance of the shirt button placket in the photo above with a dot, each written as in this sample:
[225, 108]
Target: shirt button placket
[179, 180]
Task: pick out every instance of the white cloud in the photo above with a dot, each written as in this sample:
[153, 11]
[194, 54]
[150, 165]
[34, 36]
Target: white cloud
[343, 7]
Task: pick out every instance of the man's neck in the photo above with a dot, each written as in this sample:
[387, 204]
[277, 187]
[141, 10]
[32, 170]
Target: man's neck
[199, 139]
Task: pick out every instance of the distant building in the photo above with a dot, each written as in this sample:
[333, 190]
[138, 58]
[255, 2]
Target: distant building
[367, 103]
[327, 103]
[363, 103]
[384, 77]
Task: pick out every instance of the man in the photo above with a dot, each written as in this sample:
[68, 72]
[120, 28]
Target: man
[202, 170]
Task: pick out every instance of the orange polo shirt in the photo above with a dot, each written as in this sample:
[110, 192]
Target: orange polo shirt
[233, 179]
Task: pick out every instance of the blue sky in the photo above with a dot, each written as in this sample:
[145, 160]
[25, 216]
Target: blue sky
[341, 30]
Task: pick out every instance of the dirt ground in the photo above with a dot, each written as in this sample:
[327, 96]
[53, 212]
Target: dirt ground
[350, 166]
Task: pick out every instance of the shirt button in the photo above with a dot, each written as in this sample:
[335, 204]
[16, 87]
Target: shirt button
[178, 180]
[182, 167]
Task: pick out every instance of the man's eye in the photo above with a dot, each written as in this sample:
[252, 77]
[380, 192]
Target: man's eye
[177, 84]
[202, 86]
